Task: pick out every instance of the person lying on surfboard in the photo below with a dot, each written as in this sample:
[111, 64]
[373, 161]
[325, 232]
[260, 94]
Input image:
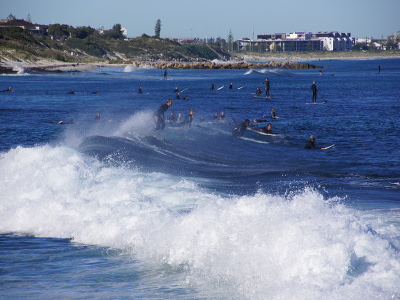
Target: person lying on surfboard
[266, 129]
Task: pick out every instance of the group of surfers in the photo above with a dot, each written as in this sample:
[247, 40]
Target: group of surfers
[160, 121]
[240, 129]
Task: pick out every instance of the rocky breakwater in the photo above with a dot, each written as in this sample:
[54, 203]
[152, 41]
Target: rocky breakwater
[233, 65]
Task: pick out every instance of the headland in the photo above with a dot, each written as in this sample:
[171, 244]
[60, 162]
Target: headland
[287, 60]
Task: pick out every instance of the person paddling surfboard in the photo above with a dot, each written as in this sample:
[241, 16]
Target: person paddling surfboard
[311, 144]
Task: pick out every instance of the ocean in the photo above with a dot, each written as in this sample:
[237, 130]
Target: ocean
[111, 209]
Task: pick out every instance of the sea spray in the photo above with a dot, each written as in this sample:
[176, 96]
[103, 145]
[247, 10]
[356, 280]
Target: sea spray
[299, 246]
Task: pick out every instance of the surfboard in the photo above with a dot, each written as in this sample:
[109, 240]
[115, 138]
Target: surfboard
[260, 97]
[323, 102]
[184, 90]
[220, 88]
[253, 140]
[263, 133]
[239, 88]
[329, 147]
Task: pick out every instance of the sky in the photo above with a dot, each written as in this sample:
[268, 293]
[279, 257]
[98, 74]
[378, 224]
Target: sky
[213, 18]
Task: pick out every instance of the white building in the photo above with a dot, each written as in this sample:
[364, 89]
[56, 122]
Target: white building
[304, 41]
[335, 41]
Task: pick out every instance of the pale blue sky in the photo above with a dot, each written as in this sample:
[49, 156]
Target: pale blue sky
[213, 18]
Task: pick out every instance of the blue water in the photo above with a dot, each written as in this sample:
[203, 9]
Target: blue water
[112, 209]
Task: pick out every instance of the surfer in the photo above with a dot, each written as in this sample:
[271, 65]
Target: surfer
[172, 117]
[231, 86]
[97, 117]
[212, 87]
[178, 95]
[140, 91]
[165, 74]
[9, 89]
[273, 114]
[314, 92]
[176, 90]
[258, 92]
[311, 143]
[259, 121]
[188, 119]
[266, 129]
[239, 130]
[215, 117]
[71, 92]
[222, 116]
[267, 87]
[159, 115]
[70, 121]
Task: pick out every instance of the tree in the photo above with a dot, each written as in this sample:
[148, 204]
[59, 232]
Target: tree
[82, 32]
[28, 18]
[59, 31]
[391, 44]
[11, 17]
[114, 33]
[157, 28]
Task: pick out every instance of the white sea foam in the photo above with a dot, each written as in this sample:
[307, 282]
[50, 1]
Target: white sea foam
[261, 246]
[19, 69]
[130, 69]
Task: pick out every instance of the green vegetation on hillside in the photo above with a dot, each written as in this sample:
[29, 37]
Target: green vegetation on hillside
[68, 44]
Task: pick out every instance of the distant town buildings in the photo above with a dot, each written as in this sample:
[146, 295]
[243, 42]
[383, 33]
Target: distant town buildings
[274, 42]
[299, 41]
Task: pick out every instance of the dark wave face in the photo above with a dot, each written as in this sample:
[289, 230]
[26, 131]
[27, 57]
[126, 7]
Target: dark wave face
[206, 151]
[209, 151]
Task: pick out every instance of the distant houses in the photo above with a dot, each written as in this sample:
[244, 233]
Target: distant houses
[33, 28]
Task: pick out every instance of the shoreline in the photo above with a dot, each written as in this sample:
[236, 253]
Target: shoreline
[320, 56]
[248, 61]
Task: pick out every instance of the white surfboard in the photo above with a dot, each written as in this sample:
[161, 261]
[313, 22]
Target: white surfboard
[253, 140]
[329, 147]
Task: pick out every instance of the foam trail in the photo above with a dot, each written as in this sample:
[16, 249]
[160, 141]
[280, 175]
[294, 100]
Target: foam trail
[130, 69]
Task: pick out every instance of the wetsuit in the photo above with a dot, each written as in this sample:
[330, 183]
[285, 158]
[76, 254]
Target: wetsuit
[265, 129]
[267, 87]
[187, 121]
[310, 145]
[160, 121]
[240, 129]
[314, 92]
